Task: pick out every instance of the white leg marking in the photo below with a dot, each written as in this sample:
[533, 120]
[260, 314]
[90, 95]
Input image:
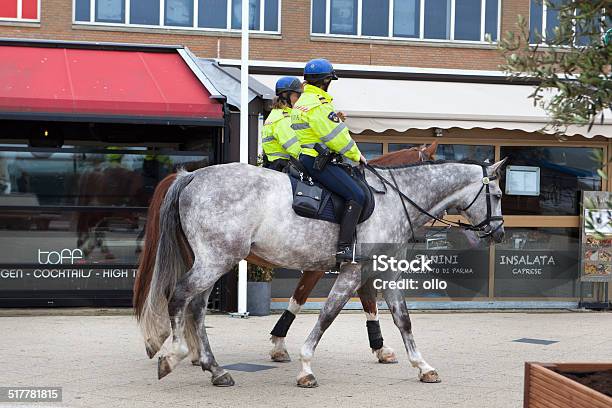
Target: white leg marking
[305, 359]
[415, 357]
[294, 307]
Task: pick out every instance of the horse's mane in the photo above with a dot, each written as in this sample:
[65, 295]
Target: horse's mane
[433, 162]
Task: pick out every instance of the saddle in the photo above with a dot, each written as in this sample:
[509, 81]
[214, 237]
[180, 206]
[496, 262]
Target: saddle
[312, 200]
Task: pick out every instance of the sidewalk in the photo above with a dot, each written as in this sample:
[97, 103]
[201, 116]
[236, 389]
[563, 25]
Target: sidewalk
[100, 360]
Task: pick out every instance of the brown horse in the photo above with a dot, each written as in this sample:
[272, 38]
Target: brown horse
[306, 283]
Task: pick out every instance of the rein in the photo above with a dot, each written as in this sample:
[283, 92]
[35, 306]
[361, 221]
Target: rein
[484, 226]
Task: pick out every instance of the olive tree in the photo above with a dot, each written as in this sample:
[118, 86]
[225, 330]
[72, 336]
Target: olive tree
[570, 64]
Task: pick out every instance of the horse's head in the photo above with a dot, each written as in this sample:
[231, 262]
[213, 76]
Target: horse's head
[427, 152]
[482, 203]
[407, 156]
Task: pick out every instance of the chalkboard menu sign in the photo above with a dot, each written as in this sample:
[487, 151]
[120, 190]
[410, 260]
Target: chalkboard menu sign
[537, 272]
[596, 236]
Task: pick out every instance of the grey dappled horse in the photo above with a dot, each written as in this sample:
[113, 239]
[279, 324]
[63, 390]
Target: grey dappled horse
[227, 212]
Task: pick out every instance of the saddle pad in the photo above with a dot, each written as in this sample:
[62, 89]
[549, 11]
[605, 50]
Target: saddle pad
[332, 205]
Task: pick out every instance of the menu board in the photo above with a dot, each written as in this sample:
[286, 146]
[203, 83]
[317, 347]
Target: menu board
[523, 180]
[596, 236]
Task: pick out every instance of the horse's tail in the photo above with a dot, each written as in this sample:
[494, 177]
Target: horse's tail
[146, 263]
[171, 260]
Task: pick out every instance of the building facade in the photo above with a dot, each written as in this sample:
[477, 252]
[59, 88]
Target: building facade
[411, 71]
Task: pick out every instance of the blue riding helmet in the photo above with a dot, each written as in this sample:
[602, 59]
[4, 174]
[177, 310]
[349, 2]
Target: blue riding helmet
[319, 69]
[288, 83]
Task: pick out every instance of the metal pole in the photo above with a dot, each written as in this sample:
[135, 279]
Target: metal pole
[244, 136]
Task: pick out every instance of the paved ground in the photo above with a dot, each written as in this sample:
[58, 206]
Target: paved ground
[100, 360]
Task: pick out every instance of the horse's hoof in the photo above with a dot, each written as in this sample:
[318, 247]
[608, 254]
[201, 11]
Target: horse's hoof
[430, 377]
[308, 381]
[280, 356]
[386, 355]
[195, 362]
[224, 380]
[163, 368]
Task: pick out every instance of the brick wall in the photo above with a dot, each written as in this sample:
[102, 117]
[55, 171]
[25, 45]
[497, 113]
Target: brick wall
[294, 44]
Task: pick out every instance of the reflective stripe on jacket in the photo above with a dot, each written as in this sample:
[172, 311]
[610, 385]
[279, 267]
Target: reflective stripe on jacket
[314, 120]
[278, 140]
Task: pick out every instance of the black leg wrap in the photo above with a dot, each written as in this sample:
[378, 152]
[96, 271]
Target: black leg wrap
[374, 334]
[284, 323]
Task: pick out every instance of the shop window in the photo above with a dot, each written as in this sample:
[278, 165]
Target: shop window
[370, 150]
[19, 10]
[563, 173]
[394, 147]
[90, 202]
[473, 19]
[144, 12]
[538, 262]
[454, 151]
[210, 14]
[465, 152]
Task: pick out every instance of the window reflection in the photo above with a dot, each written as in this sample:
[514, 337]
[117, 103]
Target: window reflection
[394, 147]
[454, 151]
[370, 150]
[564, 172]
[99, 178]
[91, 200]
[465, 152]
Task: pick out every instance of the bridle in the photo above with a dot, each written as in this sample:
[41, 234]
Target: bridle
[484, 227]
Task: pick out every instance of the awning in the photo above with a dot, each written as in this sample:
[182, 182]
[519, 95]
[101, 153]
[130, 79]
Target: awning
[92, 83]
[227, 81]
[386, 104]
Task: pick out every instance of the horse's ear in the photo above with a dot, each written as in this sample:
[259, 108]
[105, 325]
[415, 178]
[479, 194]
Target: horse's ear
[431, 150]
[496, 167]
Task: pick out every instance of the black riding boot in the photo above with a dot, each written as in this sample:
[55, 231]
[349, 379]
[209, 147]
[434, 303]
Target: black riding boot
[352, 212]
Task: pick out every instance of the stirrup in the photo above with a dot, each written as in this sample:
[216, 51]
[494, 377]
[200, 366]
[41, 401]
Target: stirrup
[349, 254]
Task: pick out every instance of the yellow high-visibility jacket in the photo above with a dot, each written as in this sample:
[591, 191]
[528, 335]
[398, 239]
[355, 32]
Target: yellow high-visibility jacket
[314, 120]
[278, 139]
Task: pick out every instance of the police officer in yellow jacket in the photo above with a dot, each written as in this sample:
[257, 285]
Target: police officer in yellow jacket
[279, 141]
[320, 131]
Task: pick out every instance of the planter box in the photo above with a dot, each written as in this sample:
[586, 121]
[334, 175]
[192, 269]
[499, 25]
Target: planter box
[258, 298]
[547, 386]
